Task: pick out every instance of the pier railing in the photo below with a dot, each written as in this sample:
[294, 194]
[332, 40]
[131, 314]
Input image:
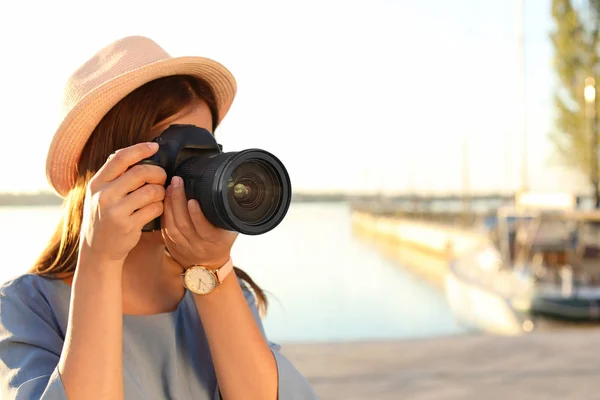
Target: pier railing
[448, 210]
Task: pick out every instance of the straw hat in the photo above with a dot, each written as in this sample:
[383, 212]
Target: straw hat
[105, 79]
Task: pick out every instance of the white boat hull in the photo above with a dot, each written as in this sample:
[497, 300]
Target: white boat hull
[481, 309]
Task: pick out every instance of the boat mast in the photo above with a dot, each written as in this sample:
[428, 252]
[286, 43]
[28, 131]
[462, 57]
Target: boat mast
[522, 115]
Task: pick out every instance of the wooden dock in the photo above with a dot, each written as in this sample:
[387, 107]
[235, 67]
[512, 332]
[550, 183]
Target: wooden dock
[545, 365]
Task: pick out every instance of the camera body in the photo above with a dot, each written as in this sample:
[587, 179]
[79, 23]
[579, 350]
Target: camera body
[247, 191]
[180, 142]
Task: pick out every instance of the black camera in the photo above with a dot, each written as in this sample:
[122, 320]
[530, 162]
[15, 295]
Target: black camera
[247, 191]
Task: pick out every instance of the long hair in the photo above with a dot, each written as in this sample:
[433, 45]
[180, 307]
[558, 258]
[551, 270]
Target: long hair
[126, 124]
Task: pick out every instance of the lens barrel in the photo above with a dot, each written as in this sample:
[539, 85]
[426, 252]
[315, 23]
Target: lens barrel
[247, 191]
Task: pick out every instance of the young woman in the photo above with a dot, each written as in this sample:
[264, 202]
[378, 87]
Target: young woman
[105, 313]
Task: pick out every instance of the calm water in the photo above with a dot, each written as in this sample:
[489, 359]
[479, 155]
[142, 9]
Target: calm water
[324, 284]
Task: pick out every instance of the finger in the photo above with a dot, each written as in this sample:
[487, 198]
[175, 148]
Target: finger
[141, 197]
[201, 224]
[168, 220]
[116, 165]
[181, 216]
[136, 177]
[147, 213]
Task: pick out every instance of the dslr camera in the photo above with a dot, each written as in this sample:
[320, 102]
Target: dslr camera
[247, 191]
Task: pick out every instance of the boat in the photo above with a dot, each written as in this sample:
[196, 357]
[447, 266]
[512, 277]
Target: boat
[532, 264]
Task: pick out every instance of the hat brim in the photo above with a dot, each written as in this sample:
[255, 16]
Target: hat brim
[76, 128]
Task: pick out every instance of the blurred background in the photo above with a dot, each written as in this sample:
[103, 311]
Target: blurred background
[444, 158]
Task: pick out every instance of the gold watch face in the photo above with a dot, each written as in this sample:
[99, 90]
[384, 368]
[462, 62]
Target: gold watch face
[200, 280]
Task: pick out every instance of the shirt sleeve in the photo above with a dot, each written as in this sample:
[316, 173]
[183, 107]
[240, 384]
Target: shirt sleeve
[292, 385]
[30, 347]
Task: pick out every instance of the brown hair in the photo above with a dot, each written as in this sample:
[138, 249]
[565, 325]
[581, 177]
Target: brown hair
[133, 118]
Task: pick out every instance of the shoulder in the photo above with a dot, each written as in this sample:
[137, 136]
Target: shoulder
[31, 339]
[32, 300]
[248, 293]
[29, 287]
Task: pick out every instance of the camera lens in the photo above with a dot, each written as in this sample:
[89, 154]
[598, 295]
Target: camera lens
[253, 192]
[247, 191]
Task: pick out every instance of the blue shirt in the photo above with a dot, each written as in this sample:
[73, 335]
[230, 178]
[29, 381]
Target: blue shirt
[165, 356]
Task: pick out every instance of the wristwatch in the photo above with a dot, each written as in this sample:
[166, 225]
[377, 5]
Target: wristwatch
[201, 280]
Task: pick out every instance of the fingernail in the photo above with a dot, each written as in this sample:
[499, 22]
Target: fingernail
[193, 205]
[169, 190]
[175, 181]
[153, 145]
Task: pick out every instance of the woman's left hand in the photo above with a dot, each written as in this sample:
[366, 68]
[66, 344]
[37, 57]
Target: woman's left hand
[190, 238]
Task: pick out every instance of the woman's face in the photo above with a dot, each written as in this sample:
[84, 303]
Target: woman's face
[198, 115]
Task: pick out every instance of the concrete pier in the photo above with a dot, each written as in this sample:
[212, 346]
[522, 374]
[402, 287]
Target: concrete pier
[422, 247]
[433, 238]
[545, 365]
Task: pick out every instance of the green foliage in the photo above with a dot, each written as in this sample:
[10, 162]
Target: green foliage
[575, 40]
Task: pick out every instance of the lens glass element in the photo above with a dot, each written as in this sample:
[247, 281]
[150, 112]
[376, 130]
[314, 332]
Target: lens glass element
[253, 192]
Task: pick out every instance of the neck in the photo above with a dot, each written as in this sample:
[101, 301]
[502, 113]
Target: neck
[152, 280]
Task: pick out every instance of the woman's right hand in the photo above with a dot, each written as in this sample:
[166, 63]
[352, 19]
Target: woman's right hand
[120, 200]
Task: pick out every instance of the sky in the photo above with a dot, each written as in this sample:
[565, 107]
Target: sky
[375, 95]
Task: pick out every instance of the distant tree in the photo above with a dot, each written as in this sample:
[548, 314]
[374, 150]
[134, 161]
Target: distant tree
[576, 46]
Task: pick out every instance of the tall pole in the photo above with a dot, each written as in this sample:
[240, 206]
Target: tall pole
[507, 163]
[410, 184]
[466, 176]
[522, 94]
[589, 94]
[595, 177]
